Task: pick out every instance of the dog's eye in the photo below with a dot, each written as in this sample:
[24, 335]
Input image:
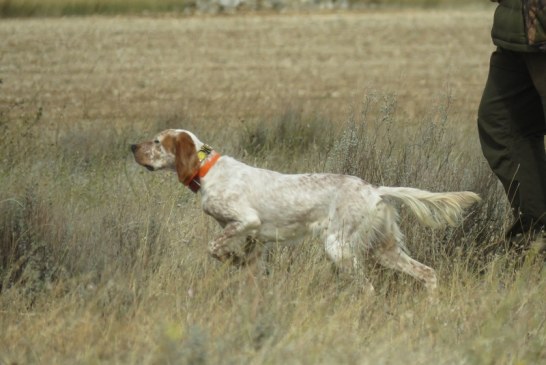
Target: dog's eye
[156, 141]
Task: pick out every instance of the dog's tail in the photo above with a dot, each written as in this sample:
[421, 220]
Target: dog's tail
[433, 209]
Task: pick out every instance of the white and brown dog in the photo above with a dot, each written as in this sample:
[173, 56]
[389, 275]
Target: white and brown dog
[350, 216]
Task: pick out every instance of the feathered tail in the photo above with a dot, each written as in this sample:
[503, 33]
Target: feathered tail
[433, 209]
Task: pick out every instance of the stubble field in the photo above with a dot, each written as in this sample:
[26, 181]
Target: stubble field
[104, 262]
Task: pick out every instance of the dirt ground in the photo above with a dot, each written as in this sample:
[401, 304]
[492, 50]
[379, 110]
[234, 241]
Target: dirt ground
[137, 69]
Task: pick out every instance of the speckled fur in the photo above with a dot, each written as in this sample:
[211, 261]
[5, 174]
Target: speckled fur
[350, 216]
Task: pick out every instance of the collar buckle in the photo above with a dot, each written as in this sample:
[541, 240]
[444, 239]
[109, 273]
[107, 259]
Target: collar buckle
[207, 157]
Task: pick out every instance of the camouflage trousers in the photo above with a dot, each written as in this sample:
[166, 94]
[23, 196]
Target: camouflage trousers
[512, 125]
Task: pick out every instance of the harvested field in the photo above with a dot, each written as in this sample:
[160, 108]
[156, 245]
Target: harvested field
[224, 68]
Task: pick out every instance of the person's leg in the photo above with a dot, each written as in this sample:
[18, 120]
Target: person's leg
[510, 119]
[534, 202]
[530, 146]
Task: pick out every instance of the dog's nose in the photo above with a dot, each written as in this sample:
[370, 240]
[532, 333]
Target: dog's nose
[134, 147]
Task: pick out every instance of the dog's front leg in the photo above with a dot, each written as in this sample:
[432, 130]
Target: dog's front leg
[245, 255]
[218, 248]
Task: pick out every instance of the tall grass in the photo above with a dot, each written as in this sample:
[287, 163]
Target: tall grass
[102, 261]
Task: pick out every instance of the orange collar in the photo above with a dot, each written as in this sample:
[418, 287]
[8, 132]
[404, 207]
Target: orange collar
[208, 158]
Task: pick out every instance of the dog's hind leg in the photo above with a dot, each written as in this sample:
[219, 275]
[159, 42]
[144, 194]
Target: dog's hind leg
[389, 254]
[389, 249]
[343, 256]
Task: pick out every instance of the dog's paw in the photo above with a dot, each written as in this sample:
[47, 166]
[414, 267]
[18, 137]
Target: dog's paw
[230, 257]
[219, 252]
[221, 257]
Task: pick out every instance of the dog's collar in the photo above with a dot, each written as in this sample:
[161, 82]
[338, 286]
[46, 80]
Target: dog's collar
[207, 158]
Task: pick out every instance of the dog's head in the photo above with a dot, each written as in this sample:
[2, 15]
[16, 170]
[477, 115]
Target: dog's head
[172, 149]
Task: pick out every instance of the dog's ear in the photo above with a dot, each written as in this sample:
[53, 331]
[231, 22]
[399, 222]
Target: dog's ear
[186, 161]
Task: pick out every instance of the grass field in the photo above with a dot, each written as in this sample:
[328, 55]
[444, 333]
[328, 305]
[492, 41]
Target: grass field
[104, 262]
[38, 8]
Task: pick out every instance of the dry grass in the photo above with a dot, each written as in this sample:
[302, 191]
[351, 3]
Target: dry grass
[103, 262]
[244, 67]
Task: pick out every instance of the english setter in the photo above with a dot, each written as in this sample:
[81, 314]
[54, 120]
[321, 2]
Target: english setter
[350, 216]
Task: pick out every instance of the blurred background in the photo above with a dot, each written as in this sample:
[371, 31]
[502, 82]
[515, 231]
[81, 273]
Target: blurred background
[87, 7]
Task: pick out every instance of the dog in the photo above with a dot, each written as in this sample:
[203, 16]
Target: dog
[350, 216]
